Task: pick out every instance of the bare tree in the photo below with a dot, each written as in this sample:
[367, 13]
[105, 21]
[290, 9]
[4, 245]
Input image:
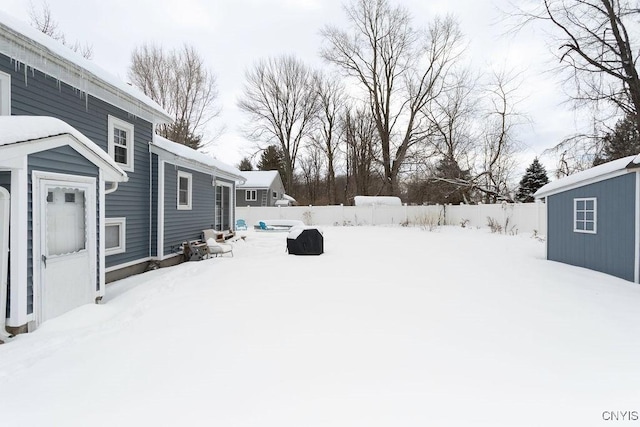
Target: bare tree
[499, 145]
[451, 119]
[311, 166]
[179, 81]
[281, 102]
[362, 146]
[331, 102]
[42, 19]
[597, 52]
[399, 68]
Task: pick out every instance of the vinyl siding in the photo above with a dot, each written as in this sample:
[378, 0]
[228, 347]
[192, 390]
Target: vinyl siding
[34, 93]
[182, 225]
[241, 199]
[63, 160]
[612, 249]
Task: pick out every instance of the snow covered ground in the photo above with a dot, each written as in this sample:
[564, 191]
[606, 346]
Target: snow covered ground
[391, 326]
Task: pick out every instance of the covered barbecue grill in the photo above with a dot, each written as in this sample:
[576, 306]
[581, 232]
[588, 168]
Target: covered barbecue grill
[305, 241]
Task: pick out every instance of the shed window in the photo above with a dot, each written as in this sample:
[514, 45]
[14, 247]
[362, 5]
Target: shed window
[115, 230]
[184, 191]
[5, 94]
[585, 215]
[121, 143]
[251, 195]
[274, 195]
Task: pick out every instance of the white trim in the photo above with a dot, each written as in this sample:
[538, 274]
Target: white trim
[582, 183]
[114, 122]
[160, 228]
[246, 195]
[585, 210]
[20, 150]
[194, 165]
[189, 177]
[101, 243]
[546, 241]
[636, 269]
[127, 264]
[5, 94]
[51, 178]
[121, 222]
[19, 214]
[232, 202]
[5, 207]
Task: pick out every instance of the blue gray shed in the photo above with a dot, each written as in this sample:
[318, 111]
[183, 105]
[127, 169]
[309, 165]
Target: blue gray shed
[593, 218]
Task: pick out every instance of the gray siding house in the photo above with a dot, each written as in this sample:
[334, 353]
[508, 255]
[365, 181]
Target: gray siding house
[85, 162]
[261, 188]
[593, 218]
[195, 193]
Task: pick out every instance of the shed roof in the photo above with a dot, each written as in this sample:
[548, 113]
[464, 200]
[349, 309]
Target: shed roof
[589, 176]
[259, 179]
[26, 45]
[20, 130]
[206, 160]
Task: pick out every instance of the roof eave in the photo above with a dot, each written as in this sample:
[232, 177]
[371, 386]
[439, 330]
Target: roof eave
[48, 57]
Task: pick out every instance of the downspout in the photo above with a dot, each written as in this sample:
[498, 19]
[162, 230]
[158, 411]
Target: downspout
[5, 200]
[114, 187]
[150, 200]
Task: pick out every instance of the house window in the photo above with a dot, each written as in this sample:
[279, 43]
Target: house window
[585, 215]
[121, 143]
[5, 94]
[275, 195]
[184, 190]
[115, 231]
[251, 195]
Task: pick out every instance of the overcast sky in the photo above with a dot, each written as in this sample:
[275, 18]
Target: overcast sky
[232, 34]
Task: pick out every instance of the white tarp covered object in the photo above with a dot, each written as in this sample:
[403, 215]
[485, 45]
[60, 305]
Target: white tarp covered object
[377, 200]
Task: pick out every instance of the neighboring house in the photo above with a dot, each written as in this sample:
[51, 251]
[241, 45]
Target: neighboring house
[261, 188]
[86, 165]
[593, 218]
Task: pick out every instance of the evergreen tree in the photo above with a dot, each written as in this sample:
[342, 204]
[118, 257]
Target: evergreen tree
[272, 159]
[245, 164]
[534, 178]
[622, 141]
[450, 183]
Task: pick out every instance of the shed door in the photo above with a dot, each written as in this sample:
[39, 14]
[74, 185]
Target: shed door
[68, 247]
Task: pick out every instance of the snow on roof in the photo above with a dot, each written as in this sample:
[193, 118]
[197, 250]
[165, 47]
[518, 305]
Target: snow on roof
[189, 153]
[588, 176]
[258, 179]
[26, 45]
[16, 129]
[289, 198]
[377, 200]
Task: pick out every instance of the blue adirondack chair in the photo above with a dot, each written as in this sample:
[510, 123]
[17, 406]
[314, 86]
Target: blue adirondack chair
[241, 224]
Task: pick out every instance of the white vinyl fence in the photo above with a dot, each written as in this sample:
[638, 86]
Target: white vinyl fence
[511, 218]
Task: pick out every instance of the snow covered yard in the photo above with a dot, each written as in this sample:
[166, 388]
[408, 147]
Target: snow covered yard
[391, 326]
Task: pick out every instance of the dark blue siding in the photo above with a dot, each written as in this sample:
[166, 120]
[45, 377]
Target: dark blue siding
[612, 249]
[34, 93]
[182, 225]
[63, 160]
